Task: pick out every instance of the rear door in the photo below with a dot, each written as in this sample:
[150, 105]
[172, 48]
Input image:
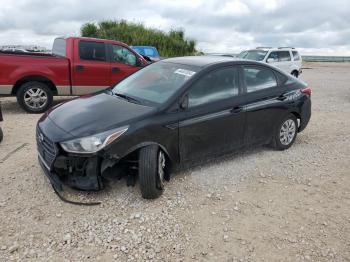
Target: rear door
[123, 62]
[282, 60]
[285, 61]
[91, 69]
[296, 60]
[213, 123]
[264, 103]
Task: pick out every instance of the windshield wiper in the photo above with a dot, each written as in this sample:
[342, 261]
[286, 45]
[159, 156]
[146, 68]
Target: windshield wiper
[128, 98]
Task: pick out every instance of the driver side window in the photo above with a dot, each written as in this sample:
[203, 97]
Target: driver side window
[215, 86]
[123, 55]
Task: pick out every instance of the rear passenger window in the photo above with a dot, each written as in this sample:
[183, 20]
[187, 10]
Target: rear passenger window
[258, 78]
[92, 51]
[296, 56]
[215, 86]
[284, 56]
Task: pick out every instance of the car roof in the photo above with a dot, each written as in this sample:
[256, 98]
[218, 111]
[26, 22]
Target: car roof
[273, 49]
[201, 61]
[95, 40]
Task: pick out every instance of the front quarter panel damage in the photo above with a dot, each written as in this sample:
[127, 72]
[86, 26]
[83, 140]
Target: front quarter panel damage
[80, 172]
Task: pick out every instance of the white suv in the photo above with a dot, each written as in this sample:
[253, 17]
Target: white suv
[285, 58]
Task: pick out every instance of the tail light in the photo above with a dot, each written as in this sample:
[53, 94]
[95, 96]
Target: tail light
[306, 90]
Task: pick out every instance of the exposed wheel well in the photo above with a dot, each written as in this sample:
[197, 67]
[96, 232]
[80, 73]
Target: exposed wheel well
[41, 79]
[132, 154]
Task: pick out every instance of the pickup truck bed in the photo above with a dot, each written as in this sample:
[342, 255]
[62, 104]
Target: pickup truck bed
[51, 69]
[77, 66]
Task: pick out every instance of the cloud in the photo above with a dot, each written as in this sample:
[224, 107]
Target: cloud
[217, 25]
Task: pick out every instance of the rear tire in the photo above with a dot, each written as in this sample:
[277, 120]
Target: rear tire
[286, 133]
[151, 171]
[35, 97]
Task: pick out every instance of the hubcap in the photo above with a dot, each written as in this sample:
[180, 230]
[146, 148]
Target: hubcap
[161, 167]
[35, 98]
[287, 132]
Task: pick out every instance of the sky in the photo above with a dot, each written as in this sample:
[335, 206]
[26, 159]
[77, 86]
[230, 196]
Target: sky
[315, 27]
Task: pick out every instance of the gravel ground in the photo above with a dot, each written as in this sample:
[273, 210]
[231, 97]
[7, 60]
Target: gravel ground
[259, 205]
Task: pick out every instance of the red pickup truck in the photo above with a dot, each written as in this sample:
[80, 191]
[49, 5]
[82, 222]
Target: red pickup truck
[77, 66]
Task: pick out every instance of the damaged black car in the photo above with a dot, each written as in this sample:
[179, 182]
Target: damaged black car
[169, 113]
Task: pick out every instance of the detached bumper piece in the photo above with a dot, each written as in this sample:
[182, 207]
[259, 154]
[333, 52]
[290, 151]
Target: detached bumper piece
[57, 186]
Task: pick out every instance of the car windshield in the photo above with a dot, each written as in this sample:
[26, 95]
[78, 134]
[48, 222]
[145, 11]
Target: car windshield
[156, 83]
[256, 55]
[147, 51]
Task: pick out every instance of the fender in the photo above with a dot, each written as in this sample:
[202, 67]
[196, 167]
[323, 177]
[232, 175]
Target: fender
[20, 74]
[144, 144]
[57, 72]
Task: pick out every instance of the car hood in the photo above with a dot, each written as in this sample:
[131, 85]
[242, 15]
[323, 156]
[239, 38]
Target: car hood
[90, 115]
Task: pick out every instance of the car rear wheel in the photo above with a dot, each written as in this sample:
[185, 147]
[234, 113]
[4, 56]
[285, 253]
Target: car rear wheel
[35, 97]
[286, 133]
[152, 166]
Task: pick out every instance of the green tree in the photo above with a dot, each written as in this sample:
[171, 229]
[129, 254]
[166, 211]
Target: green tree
[169, 44]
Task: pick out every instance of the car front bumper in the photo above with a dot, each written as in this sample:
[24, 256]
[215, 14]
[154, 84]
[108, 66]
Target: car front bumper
[63, 172]
[81, 172]
[52, 176]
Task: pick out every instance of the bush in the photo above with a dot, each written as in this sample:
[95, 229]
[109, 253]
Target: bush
[168, 44]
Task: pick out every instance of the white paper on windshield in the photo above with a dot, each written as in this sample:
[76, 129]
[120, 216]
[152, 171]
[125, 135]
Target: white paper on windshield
[184, 72]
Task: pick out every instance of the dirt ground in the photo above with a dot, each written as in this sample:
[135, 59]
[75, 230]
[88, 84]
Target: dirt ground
[259, 205]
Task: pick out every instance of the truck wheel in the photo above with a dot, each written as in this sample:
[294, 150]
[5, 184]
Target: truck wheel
[35, 97]
[285, 133]
[295, 73]
[1, 135]
[151, 171]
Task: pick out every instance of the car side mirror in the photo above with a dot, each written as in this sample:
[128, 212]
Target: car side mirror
[270, 60]
[184, 102]
[139, 62]
[147, 58]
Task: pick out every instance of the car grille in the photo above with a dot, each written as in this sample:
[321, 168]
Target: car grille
[47, 149]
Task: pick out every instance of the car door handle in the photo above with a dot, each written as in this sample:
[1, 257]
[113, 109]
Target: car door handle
[79, 68]
[115, 69]
[236, 110]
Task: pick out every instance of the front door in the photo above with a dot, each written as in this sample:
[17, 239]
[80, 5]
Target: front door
[90, 68]
[123, 63]
[213, 122]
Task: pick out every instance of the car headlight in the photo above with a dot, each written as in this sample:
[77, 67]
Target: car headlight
[94, 143]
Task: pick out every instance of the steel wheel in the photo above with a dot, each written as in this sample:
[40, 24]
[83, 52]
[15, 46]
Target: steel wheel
[35, 98]
[287, 132]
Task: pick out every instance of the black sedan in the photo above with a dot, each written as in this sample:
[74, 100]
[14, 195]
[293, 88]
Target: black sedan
[169, 113]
